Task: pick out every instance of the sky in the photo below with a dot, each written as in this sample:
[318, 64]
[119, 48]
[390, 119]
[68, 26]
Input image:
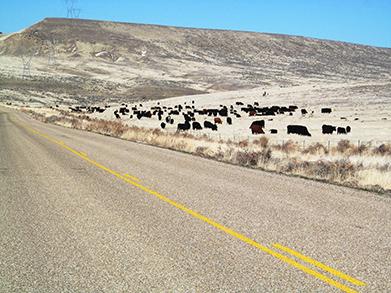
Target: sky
[358, 21]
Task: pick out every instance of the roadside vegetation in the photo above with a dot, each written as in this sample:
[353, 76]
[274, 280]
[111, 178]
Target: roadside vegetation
[365, 166]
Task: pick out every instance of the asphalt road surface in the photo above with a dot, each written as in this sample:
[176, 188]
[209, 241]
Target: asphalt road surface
[81, 212]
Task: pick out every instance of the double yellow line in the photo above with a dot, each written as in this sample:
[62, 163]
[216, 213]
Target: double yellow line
[134, 181]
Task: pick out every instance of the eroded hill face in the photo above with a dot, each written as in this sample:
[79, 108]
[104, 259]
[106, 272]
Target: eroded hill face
[106, 60]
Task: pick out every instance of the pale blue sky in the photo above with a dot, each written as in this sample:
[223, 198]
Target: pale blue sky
[358, 21]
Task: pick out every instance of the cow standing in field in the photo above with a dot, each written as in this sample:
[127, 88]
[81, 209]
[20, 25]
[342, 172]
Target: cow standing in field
[341, 130]
[183, 126]
[197, 125]
[298, 129]
[328, 129]
[326, 110]
[218, 120]
[256, 129]
[210, 125]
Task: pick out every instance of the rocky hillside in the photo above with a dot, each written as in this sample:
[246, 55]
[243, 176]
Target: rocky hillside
[108, 60]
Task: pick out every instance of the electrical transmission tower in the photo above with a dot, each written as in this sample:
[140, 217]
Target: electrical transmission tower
[72, 10]
[26, 61]
[51, 46]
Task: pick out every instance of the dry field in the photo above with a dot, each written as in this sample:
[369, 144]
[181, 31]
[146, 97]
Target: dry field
[367, 167]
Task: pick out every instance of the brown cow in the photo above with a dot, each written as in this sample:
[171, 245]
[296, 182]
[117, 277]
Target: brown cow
[217, 120]
[256, 129]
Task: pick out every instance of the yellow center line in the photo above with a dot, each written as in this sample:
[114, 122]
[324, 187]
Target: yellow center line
[203, 218]
[132, 177]
[319, 265]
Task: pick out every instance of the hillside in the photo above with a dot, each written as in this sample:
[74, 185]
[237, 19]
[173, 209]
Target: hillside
[111, 61]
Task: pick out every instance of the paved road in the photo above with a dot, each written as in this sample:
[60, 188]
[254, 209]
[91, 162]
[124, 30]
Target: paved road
[72, 221]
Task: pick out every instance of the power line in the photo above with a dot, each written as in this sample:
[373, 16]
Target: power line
[26, 61]
[72, 10]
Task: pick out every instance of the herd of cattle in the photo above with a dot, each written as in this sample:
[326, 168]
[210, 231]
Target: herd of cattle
[186, 116]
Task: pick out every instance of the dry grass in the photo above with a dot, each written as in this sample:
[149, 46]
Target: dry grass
[347, 164]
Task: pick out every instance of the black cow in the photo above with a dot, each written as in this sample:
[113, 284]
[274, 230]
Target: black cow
[325, 110]
[183, 126]
[304, 111]
[328, 129]
[196, 126]
[298, 129]
[117, 115]
[341, 130]
[229, 120]
[163, 125]
[273, 131]
[223, 112]
[210, 125]
[348, 129]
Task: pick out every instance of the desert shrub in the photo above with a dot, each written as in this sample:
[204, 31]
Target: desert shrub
[362, 148]
[344, 146]
[287, 147]
[266, 155]
[76, 123]
[247, 158]
[383, 149]
[262, 141]
[52, 119]
[243, 143]
[344, 169]
[316, 148]
[201, 150]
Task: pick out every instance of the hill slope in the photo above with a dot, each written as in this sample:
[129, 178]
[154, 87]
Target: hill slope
[108, 60]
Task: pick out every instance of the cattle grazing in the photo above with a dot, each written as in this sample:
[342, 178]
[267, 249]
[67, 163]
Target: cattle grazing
[304, 111]
[273, 131]
[163, 125]
[218, 120]
[328, 129]
[239, 104]
[344, 118]
[223, 112]
[325, 110]
[260, 123]
[168, 119]
[256, 129]
[348, 129]
[196, 126]
[117, 115]
[298, 129]
[341, 130]
[229, 120]
[183, 126]
[355, 119]
[187, 117]
[264, 94]
[210, 125]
